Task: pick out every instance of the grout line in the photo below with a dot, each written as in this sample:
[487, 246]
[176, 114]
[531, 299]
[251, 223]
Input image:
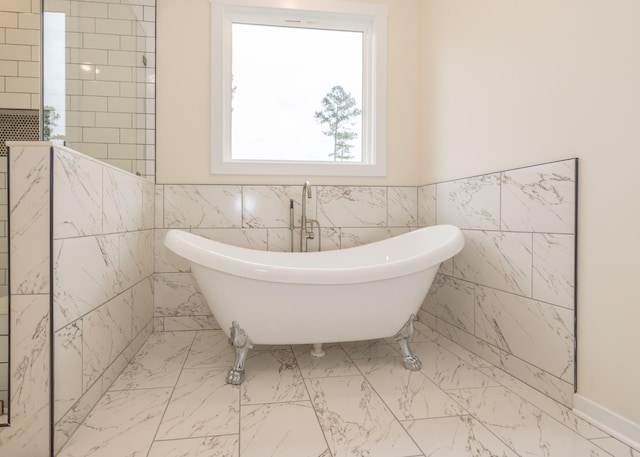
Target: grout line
[173, 389]
[313, 406]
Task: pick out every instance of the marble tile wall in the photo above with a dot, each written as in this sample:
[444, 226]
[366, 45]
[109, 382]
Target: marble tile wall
[29, 433]
[509, 295]
[257, 217]
[103, 285]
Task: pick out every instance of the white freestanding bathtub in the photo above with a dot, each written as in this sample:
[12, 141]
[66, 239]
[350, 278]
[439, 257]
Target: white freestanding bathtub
[366, 292]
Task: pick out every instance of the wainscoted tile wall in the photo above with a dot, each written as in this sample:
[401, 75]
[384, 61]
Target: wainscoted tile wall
[257, 217]
[29, 433]
[509, 295]
[102, 272]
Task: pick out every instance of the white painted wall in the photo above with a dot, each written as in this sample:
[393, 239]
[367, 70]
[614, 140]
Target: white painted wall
[183, 98]
[513, 83]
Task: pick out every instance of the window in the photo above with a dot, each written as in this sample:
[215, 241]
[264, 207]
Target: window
[298, 91]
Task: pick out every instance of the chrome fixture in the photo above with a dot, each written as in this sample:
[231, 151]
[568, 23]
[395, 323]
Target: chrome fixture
[305, 233]
[242, 343]
[411, 361]
[291, 222]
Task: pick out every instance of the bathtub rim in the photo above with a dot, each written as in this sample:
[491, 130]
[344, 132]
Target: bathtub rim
[251, 264]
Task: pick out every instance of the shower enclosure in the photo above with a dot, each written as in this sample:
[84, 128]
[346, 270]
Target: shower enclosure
[82, 74]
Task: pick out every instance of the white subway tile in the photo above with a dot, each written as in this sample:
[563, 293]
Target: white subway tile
[29, 21]
[24, 85]
[15, 52]
[35, 53]
[117, 120]
[29, 69]
[15, 101]
[80, 71]
[127, 89]
[122, 105]
[9, 20]
[23, 36]
[8, 68]
[121, 12]
[73, 39]
[101, 41]
[17, 6]
[81, 118]
[149, 13]
[81, 24]
[113, 73]
[73, 87]
[149, 28]
[86, 103]
[115, 26]
[73, 134]
[121, 151]
[122, 58]
[101, 88]
[100, 135]
[59, 6]
[88, 56]
[128, 136]
[89, 9]
[128, 43]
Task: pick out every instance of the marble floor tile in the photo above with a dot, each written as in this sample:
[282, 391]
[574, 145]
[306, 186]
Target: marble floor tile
[211, 446]
[158, 363]
[523, 427]
[423, 332]
[211, 348]
[357, 401]
[202, 404]
[463, 353]
[281, 430]
[122, 424]
[456, 437]
[616, 448]
[408, 394]
[553, 408]
[355, 421]
[447, 370]
[335, 362]
[272, 376]
[370, 348]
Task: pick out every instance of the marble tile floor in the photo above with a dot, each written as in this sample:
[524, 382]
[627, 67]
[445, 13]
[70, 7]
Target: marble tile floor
[172, 401]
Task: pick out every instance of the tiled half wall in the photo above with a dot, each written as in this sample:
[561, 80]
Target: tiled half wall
[257, 217]
[509, 296]
[102, 280]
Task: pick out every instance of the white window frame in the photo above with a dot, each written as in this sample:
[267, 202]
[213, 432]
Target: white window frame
[371, 19]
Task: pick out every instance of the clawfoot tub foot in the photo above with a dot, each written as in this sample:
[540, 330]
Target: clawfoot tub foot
[241, 341]
[411, 361]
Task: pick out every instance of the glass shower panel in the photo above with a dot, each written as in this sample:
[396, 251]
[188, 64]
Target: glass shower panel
[94, 97]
